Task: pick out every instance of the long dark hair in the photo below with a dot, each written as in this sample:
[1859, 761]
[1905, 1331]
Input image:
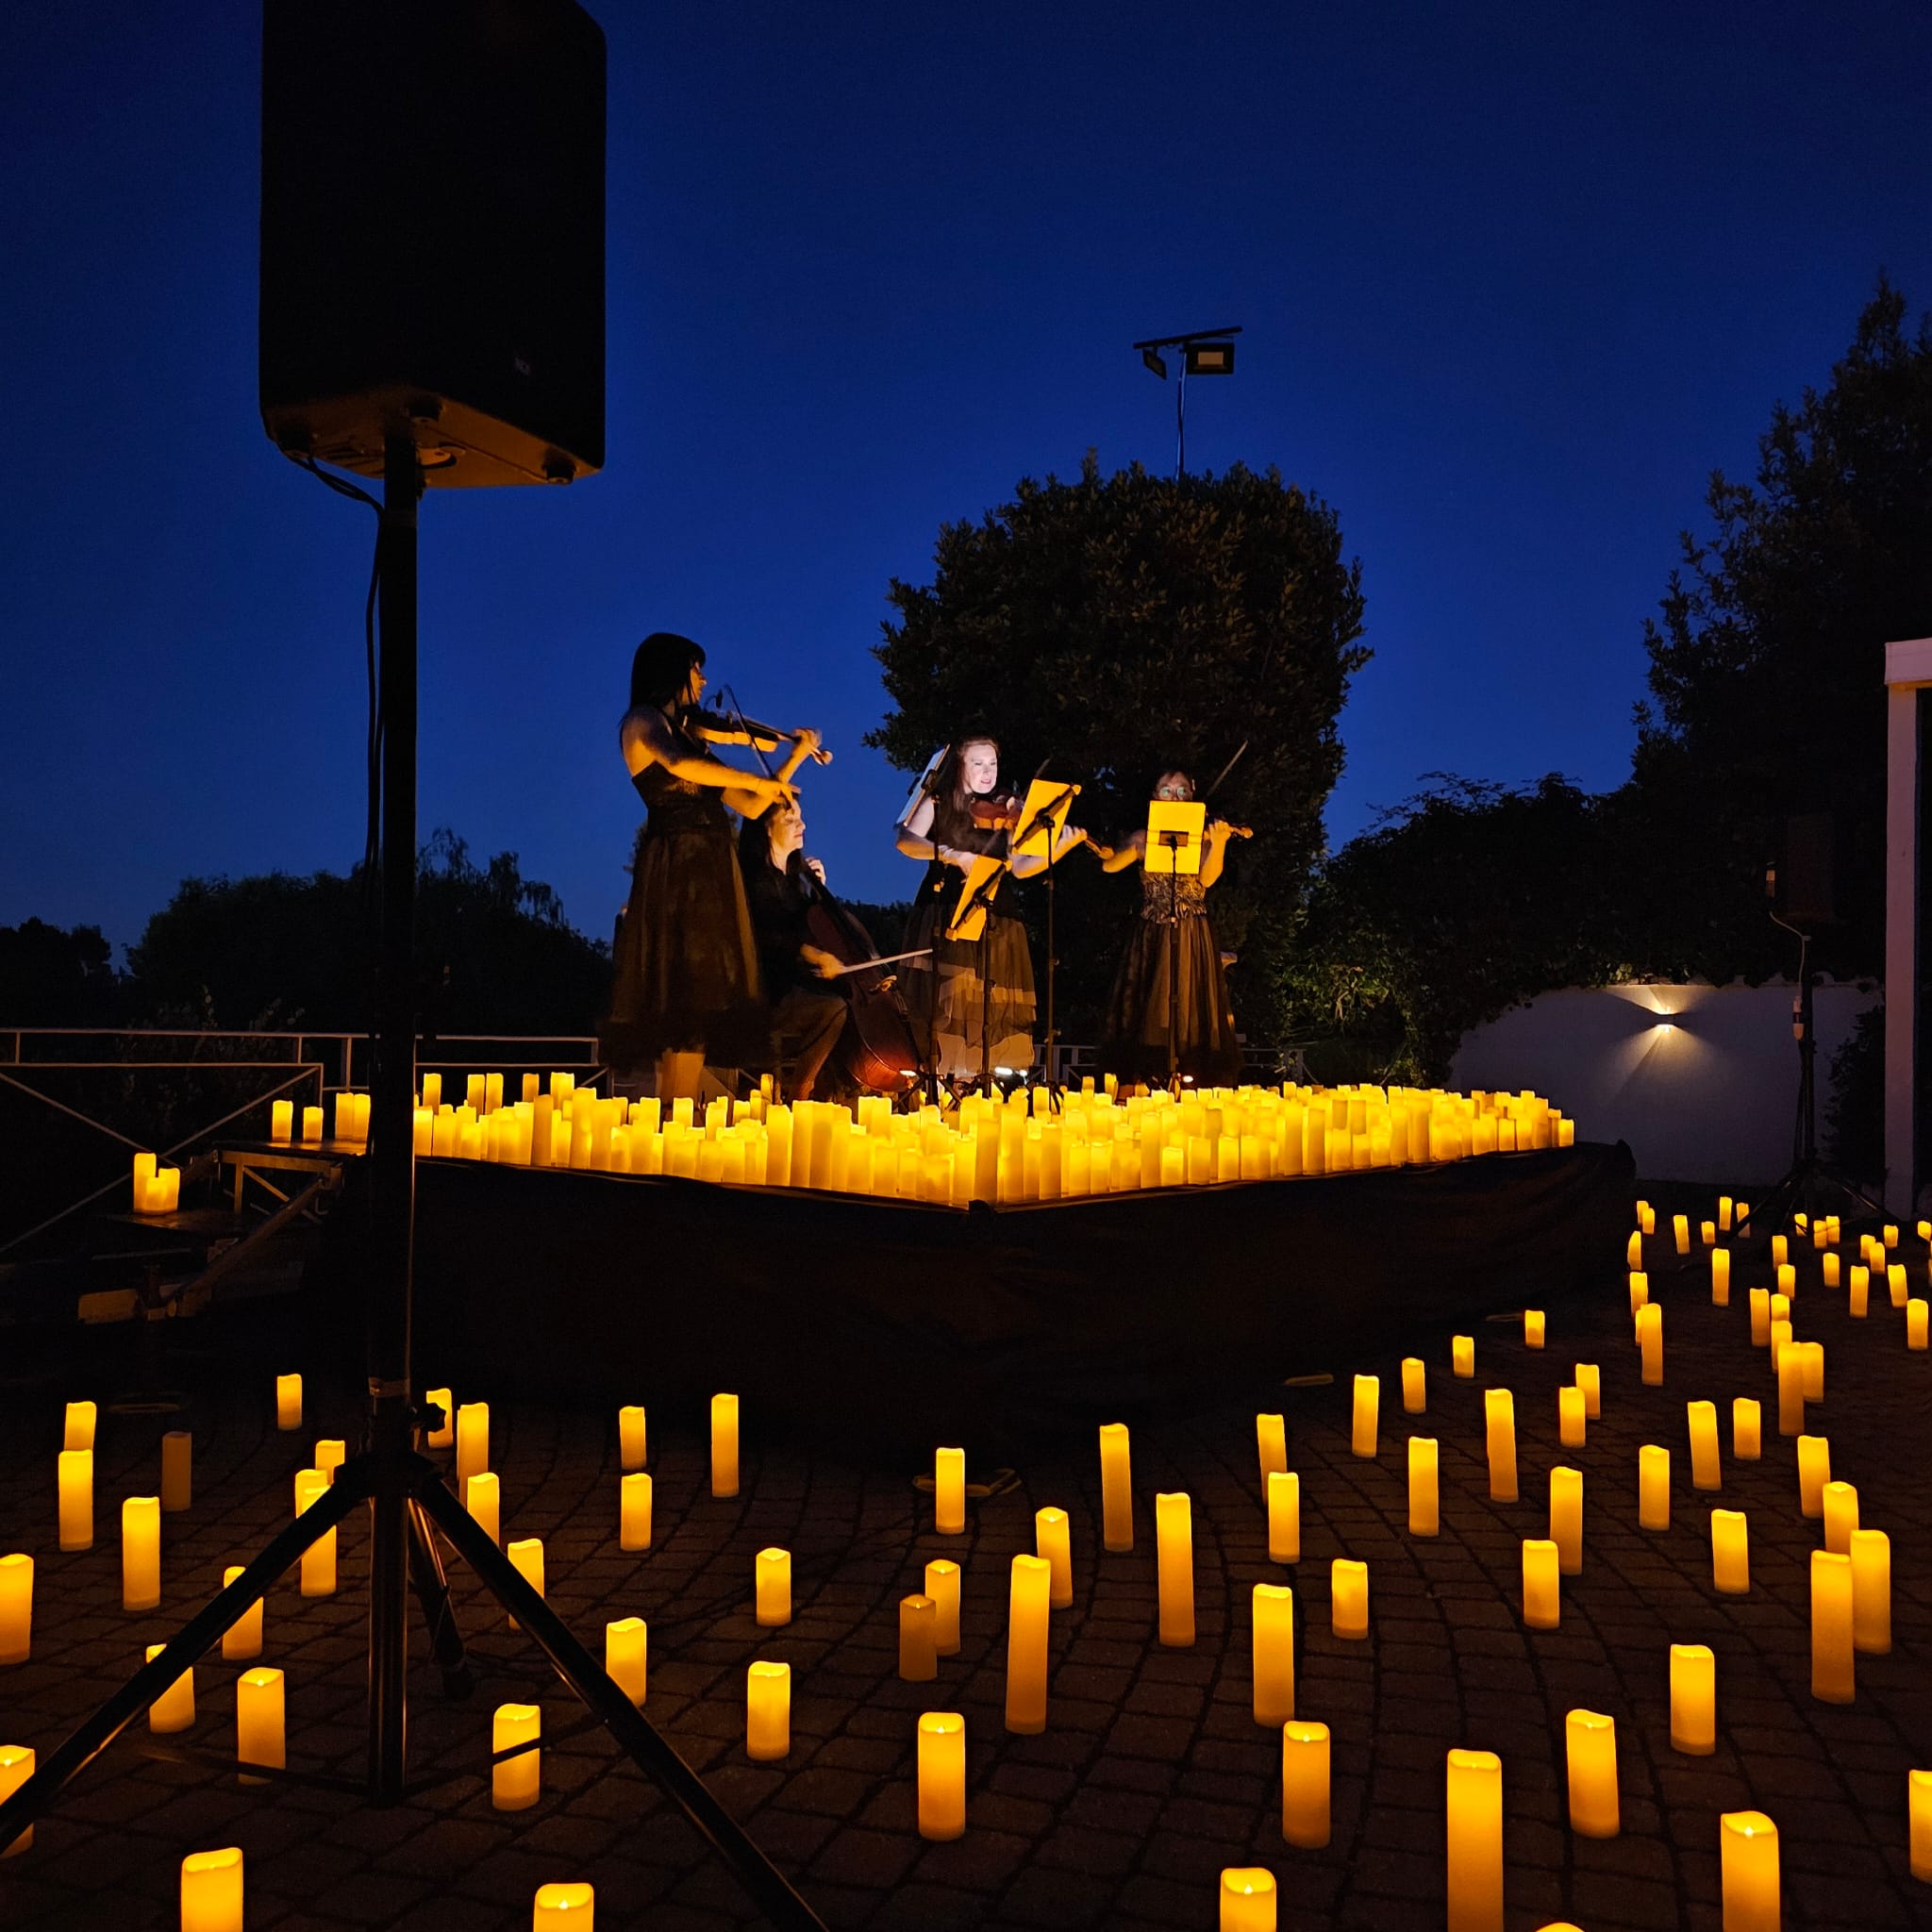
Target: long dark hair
[660, 668]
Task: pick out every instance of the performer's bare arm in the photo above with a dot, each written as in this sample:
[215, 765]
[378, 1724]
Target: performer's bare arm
[915, 839]
[1129, 852]
[648, 739]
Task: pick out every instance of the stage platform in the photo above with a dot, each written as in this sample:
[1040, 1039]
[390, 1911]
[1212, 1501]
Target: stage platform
[887, 1327]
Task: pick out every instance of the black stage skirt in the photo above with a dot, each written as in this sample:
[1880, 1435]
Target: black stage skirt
[955, 966]
[1134, 1038]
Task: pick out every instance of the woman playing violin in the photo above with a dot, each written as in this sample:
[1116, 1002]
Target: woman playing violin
[944, 993]
[1134, 1034]
[806, 1016]
[685, 983]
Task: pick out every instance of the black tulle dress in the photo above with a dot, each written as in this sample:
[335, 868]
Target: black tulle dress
[1134, 1039]
[686, 964]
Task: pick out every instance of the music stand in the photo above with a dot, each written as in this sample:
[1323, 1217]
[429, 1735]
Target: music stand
[1043, 824]
[1176, 827]
[970, 922]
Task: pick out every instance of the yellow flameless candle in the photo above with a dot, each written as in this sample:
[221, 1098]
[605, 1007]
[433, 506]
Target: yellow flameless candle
[1590, 1739]
[949, 1492]
[1532, 1328]
[1693, 1699]
[16, 1607]
[1415, 1397]
[1894, 1281]
[174, 1709]
[1871, 1554]
[1858, 1295]
[1271, 1444]
[918, 1660]
[1028, 1613]
[260, 1721]
[1730, 1552]
[211, 1891]
[1721, 1277]
[1543, 1597]
[1832, 1677]
[1748, 1863]
[1247, 1899]
[1790, 1391]
[1274, 1653]
[77, 1495]
[1284, 1516]
[1116, 1488]
[1746, 1428]
[942, 1587]
[1475, 1793]
[141, 1553]
[330, 1454]
[288, 1402]
[1348, 1598]
[16, 1766]
[1781, 1340]
[1640, 1292]
[1174, 1545]
[1590, 1380]
[243, 1639]
[1680, 1232]
[1706, 1232]
[1915, 1323]
[1424, 1505]
[441, 1437]
[483, 1499]
[1650, 1341]
[626, 1656]
[1761, 1318]
[1368, 1406]
[1305, 1783]
[1706, 1471]
[634, 1511]
[1053, 1542]
[1841, 1517]
[79, 1425]
[1780, 1251]
[1646, 1217]
[1812, 1364]
[311, 1126]
[281, 1122]
[941, 1776]
[1814, 1471]
[1653, 1487]
[177, 1470]
[1633, 1250]
[1499, 1413]
[526, 1559]
[630, 1439]
[1571, 1418]
[723, 1445]
[1566, 1517]
[773, 1588]
[1462, 1357]
[564, 1907]
[516, 1783]
[318, 1558]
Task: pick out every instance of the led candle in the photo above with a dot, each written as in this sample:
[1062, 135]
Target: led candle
[1746, 1426]
[1646, 1217]
[1590, 1380]
[1894, 1281]
[1271, 1442]
[330, 1454]
[1348, 1598]
[1571, 1418]
[16, 1607]
[1830, 1268]
[1917, 1806]
[76, 1490]
[281, 1122]
[1790, 1391]
[1475, 1793]
[1499, 1411]
[1814, 1471]
[1368, 1406]
[1633, 1250]
[626, 1644]
[1693, 1699]
[1680, 1232]
[1871, 1553]
[1780, 1251]
[243, 1637]
[1858, 1296]
[79, 1426]
[526, 1559]
[144, 1202]
[1424, 1505]
[1780, 1339]
[634, 1511]
[1274, 1653]
[174, 1709]
[1028, 1613]
[318, 1558]
[918, 1640]
[1174, 1545]
[1116, 1488]
[441, 1437]
[1566, 1518]
[1721, 1277]
[1653, 1487]
[564, 1907]
[1305, 1764]
[311, 1126]
[1749, 1867]
[630, 1439]
[1841, 1517]
[1542, 1601]
[141, 1553]
[211, 1891]
[260, 1731]
[16, 1766]
[773, 1588]
[1591, 1741]
[942, 1587]
[1650, 1340]
[515, 1783]
[177, 1470]
[1640, 1292]
[482, 1498]
[1916, 1325]
[1706, 1472]
[1831, 1627]
[1247, 1899]
[1415, 1398]
[1707, 1233]
[949, 1492]
[1730, 1552]
[1532, 1328]
[1462, 1357]
[942, 1775]
[1760, 1317]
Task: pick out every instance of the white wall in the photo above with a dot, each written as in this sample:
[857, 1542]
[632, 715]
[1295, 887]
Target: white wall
[1701, 1080]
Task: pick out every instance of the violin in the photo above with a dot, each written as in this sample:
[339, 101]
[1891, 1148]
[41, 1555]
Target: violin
[1236, 831]
[763, 738]
[1000, 811]
[876, 1050]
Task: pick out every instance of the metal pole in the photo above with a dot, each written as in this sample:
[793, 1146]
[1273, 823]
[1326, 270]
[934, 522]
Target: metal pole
[1180, 419]
[392, 1151]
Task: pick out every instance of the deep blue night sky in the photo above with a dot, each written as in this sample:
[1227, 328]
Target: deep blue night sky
[1514, 280]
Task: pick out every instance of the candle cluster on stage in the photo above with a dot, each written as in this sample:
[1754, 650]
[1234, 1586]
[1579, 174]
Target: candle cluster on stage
[1008, 1148]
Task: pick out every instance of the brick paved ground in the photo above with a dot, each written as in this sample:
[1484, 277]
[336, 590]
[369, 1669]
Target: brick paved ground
[1151, 1774]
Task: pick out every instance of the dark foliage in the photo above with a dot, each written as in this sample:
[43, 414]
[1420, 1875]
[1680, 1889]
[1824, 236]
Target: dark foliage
[54, 977]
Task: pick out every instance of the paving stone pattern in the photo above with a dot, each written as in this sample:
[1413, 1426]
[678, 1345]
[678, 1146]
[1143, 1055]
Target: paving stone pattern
[1151, 1775]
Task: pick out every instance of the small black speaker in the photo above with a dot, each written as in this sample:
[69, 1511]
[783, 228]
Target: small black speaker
[1806, 870]
[432, 235]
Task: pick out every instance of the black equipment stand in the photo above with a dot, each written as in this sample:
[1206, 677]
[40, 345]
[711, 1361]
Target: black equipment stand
[1020, 837]
[404, 1491]
[1173, 841]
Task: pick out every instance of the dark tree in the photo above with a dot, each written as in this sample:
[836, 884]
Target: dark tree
[1117, 626]
[50, 977]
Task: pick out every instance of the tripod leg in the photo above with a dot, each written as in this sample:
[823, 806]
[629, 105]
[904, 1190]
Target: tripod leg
[430, 1583]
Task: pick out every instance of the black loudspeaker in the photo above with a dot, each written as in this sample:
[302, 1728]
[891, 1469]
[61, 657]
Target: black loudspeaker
[432, 235]
[1806, 869]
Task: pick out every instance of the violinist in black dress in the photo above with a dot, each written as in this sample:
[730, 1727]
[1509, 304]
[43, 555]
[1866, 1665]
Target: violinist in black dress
[808, 1016]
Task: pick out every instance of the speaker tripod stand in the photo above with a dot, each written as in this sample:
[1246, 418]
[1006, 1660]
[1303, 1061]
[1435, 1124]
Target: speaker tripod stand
[404, 1491]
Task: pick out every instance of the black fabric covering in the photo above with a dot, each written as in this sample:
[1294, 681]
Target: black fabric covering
[884, 1329]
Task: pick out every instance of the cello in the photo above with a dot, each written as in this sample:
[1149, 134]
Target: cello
[876, 1050]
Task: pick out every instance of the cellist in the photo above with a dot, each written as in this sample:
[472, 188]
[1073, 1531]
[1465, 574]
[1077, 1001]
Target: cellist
[807, 1015]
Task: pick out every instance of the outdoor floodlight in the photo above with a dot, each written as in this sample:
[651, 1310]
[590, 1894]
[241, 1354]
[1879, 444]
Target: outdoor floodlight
[1211, 358]
[1152, 359]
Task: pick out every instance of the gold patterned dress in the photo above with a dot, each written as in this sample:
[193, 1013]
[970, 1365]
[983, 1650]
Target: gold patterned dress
[1134, 1038]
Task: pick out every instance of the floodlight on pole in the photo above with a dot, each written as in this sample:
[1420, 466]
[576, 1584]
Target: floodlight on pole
[1204, 352]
